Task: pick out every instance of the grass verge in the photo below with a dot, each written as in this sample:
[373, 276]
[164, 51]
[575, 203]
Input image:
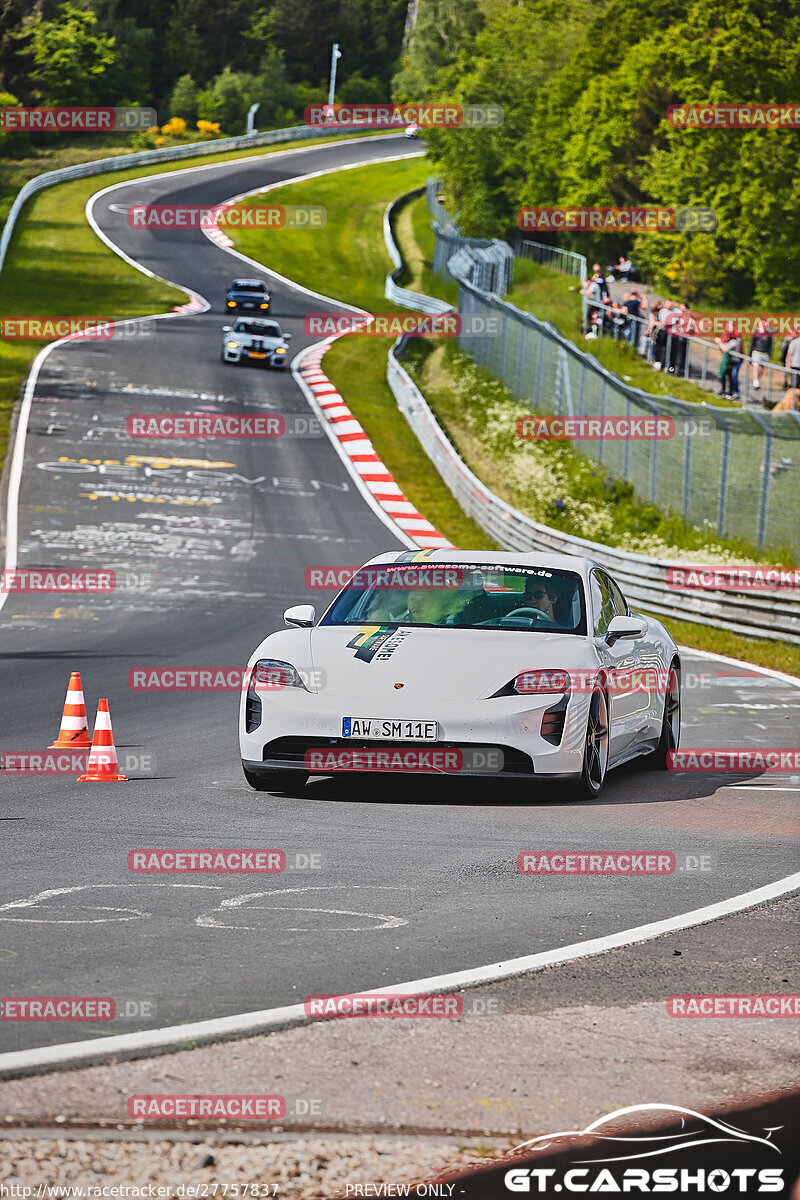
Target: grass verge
[351, 266]
[56, 266]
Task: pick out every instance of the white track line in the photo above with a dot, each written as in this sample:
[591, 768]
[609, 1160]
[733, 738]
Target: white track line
[132, 1045]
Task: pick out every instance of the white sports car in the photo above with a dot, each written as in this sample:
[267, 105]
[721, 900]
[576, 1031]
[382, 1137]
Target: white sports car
[462, 662]
[252, 338]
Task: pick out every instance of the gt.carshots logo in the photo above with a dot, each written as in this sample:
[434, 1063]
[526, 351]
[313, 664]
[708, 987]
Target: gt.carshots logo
[603, 1151]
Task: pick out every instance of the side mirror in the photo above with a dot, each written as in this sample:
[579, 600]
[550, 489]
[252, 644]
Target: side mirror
[302, 615]
[625, 628]
[287, 337]
[227, 329]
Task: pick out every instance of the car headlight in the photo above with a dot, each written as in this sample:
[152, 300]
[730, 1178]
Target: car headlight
[232, 345]
[529, 683]
[266, 305]
[271, 675]
[231, 304]
[280, 350]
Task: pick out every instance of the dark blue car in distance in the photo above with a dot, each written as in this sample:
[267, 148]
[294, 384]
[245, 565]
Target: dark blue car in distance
[250, 295]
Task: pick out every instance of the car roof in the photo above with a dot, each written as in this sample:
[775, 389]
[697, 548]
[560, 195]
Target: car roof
[262, 322]
[501, 558]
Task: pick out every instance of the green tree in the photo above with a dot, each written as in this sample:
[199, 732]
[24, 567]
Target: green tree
[70, 55]
[183, 101]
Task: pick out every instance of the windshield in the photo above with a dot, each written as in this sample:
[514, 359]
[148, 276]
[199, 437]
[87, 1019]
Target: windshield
[241, 285]
[463, 596]
[259, 328]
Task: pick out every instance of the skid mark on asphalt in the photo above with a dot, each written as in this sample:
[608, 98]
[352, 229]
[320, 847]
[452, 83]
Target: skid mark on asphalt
[40, 899]
[212, 920]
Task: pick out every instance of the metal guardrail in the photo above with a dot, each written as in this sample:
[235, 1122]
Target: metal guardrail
[733, 470]
[566, 262]
[644, 580]
[773, 615]
[142, 157]
[392, 290]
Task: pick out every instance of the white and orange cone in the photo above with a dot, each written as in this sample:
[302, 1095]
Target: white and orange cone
[102, 766]
[74, 731]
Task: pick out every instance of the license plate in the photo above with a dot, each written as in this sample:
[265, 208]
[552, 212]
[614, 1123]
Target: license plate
[388, 729]
[256, 354]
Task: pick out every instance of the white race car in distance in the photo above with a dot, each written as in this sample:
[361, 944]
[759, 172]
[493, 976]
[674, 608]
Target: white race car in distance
[252, 338]
[535, 658]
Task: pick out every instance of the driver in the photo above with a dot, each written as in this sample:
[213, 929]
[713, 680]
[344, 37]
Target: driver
[551, 596]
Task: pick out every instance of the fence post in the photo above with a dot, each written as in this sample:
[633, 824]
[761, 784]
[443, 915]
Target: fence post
[687, 476]
[626, 461]
[602, 415]
[724, 471]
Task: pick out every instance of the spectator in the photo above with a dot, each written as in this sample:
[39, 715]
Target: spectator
[760, 351]
[657, 335]
[676, 346]
[594, 289]
[634, 304]
[618, 321]
[784, 347]
[727, 344]
[736, 363]
[623, 270]
[793, 359]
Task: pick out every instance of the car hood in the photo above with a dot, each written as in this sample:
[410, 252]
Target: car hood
[447, 664]
[268, 343]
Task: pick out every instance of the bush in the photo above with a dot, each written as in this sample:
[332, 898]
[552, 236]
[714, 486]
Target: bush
[12, 145]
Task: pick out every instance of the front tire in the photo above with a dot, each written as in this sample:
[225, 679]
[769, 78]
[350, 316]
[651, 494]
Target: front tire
[275, 781]
[595, 749]
[671, 722]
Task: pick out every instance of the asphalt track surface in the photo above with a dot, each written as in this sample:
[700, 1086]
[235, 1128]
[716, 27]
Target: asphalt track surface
[212, 539]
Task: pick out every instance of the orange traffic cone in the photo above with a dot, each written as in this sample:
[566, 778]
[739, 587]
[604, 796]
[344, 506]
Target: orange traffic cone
[102, 766]
[74, 731]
